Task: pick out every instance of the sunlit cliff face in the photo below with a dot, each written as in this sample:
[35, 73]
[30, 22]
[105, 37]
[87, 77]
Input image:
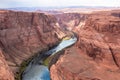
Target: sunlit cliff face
[72, 21]
[96, 54]
[24, 34]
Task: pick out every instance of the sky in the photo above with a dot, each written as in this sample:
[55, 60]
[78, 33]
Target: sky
[57, 3]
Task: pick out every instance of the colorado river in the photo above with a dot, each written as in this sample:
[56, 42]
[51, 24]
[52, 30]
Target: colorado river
[36, 70]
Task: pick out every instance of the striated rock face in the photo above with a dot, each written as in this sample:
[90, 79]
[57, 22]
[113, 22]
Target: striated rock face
[23, 34]
[96, 55]
[71, 20]
[5, 73]
[75, 65]
[105, 22]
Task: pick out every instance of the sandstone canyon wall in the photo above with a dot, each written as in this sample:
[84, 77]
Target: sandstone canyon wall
[96, 55]
[71, 20]
[5, 72]
[22, 35]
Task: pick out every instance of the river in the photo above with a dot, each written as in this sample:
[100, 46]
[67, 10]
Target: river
[36, 70]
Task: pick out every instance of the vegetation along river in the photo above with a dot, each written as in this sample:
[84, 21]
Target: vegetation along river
[38, 67]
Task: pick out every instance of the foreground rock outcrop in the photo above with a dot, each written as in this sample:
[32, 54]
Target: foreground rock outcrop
[24, 34]
[5, 72]
[96, 55]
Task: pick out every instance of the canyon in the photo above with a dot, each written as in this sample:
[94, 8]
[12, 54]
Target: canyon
[95, 56]
[24, 34]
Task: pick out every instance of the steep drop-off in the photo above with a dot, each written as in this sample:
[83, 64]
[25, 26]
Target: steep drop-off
[96, 55]
[5, 72]
[70, 21]
[24, 34]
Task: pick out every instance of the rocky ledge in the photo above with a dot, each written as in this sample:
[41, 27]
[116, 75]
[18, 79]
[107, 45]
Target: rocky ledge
[96, 55]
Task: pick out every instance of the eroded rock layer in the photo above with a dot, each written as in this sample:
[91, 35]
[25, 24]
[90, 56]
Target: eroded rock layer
[71, 20]
[5, 72]
[23, 34]
[96, 55]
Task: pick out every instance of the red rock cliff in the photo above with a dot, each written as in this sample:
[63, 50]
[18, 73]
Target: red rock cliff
[23, 34]
[71, 20]
[96, 55]
[5, 72]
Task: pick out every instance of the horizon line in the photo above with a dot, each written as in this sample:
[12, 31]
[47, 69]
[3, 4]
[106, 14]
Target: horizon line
[64, 7]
